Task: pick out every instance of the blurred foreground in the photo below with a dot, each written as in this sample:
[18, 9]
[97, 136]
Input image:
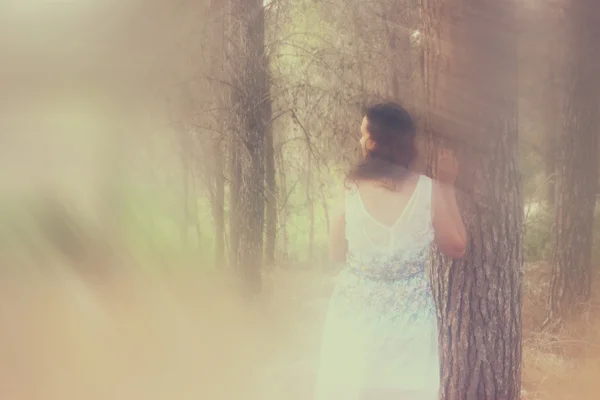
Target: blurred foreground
[184, 334]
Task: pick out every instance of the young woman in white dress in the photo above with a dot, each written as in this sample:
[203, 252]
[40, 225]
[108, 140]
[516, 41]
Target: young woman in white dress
[380, 339]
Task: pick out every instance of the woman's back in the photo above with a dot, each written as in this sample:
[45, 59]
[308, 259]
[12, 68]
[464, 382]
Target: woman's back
[387, 229]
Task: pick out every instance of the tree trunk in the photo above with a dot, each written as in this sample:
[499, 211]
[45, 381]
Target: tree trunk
[185, 161]
[550, 160]
[310, 207]
[222, 94]
[357, 48]
[538, 88]
[251, 103]
[551, 135]
[271, 198]
[325, 213]
[578, 158]
[283, 212]
[397, 27]
[234, 204]
[393, 65]
[470, 83]
[195, 209]
[218, 205]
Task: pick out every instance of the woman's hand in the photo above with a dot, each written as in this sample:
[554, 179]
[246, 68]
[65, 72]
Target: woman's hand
[447, 167]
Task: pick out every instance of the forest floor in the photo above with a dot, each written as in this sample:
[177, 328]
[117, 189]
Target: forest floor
[182, 335]
[562, 365]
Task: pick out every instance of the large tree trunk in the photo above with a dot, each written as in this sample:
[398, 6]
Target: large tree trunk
[470, 81]
[251, 103]
[578, 153]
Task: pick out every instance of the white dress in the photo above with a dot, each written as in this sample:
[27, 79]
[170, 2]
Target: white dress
[381, 327]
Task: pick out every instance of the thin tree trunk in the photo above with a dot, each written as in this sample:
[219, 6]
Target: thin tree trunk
[397, 31]
[186, 194]
[271, 198]
[219, 206]
[540, 71]
[326, 213]
[358, 54]
[578, 159]
[395, 84]
[550, 136]
[310, 207]
[550, 160]
[220, 143]
[471, 93]
[283, 212]
[234, 204]
[194, 183]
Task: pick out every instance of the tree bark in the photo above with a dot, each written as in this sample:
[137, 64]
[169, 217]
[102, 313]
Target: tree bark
[470, 83]
[578, 158]
[251, 104]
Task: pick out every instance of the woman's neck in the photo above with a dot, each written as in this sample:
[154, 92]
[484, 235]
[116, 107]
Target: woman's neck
[394, 183]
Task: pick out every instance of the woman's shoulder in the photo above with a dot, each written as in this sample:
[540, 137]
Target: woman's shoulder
[423, 178]
[426, 183]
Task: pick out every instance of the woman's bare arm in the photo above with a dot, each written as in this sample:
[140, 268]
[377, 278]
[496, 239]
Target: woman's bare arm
[450, 231]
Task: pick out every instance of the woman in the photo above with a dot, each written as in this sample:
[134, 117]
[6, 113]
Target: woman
[380, 339]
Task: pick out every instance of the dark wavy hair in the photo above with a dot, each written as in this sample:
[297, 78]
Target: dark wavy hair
[393, 149]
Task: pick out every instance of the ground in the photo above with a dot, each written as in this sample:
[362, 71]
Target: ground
[181, 334]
